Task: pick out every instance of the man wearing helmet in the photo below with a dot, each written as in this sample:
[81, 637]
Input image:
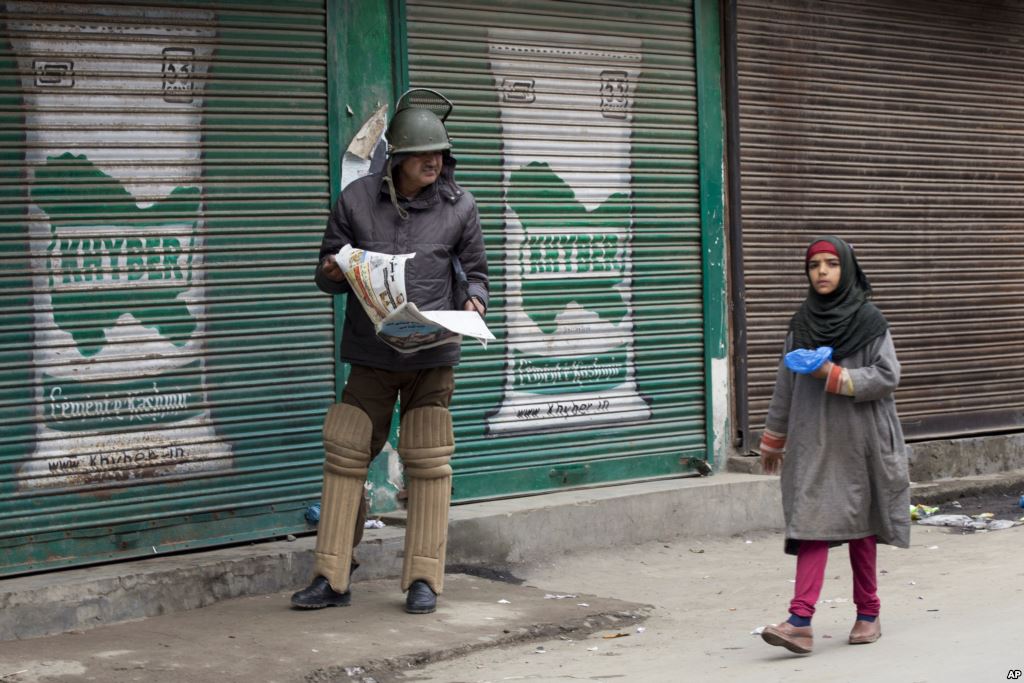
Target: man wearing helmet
[413, 205]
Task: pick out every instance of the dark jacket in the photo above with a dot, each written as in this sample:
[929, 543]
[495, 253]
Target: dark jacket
[443, 223]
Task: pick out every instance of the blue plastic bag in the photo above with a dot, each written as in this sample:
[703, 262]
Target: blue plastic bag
[806, 361]
[313, 513]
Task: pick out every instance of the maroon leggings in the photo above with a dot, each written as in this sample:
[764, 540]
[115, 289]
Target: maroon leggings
[810, 575]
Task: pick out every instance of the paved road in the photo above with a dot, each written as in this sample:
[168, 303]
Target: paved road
[683, 610]
[952, 610]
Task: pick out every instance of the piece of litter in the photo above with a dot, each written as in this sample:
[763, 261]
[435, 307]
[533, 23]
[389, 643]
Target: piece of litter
[503, 601]
[583, 604]
[757, 631]
[921, 511]
[374, 524]
[540, 650]
[592, 649]
[559, 596]
[641, 629]
[946, 520]
[997, 524]
[615, 635]
[313, 650]
[354, 670]
[911, 583]
[748, 541]
[984, 515]
[932, 610]
[698, 551]
[933, 547]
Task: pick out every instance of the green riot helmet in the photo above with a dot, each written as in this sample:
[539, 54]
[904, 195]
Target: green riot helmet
[418, 124]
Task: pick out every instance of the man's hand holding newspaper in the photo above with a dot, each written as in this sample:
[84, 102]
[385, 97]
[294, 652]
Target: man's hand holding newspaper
[378, 281]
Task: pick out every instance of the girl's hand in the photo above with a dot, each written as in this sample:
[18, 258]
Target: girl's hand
[822, 372]
[772, 446]
[770, 462]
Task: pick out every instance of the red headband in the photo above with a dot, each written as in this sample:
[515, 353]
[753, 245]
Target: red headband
[821, 247]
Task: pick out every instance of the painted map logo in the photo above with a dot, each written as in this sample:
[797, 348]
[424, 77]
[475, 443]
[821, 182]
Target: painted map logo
[566, 116]
[114, 126]
[593, 260]
[99, 272]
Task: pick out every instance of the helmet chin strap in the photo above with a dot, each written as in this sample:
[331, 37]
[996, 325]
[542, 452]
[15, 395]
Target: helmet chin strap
[389, 181]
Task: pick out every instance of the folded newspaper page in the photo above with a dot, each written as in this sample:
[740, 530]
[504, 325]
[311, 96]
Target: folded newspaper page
[378, 281]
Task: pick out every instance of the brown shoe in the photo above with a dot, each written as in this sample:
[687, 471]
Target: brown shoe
[798, 639]
[865, 632]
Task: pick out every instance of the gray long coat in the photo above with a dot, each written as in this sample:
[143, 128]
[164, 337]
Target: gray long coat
[845, 472]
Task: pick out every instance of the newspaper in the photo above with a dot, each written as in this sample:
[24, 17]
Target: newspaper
[378, 281]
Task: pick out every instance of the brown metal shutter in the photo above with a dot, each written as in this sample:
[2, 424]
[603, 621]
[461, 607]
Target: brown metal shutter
[898, 127]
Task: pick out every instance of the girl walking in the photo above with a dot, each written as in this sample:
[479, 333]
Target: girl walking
[835, 433]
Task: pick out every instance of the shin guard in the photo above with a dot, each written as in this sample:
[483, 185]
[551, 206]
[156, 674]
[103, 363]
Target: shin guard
[347, 457]
[426, 444]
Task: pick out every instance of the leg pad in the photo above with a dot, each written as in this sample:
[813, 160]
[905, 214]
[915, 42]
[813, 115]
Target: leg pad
[426, 445]
[426, 442]
[347, 432]
[347, 458]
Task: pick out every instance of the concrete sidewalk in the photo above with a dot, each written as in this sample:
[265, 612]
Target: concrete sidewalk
[492, 536]
[262, 640]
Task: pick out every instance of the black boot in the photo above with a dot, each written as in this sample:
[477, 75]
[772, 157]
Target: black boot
[421, 598]
[319, 594]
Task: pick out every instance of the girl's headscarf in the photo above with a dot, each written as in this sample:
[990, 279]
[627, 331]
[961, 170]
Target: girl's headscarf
[845, 319]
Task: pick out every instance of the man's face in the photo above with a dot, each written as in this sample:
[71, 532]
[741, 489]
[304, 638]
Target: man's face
[418, 171]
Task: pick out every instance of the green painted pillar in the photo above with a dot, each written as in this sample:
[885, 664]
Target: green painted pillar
[367, 69]
[707, 32]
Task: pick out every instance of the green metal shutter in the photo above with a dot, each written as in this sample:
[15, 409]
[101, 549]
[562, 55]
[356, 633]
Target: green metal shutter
[575, 128]
[897, 126]
[166, 360]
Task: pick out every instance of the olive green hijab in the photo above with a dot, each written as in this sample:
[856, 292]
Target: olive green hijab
[845, 319]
